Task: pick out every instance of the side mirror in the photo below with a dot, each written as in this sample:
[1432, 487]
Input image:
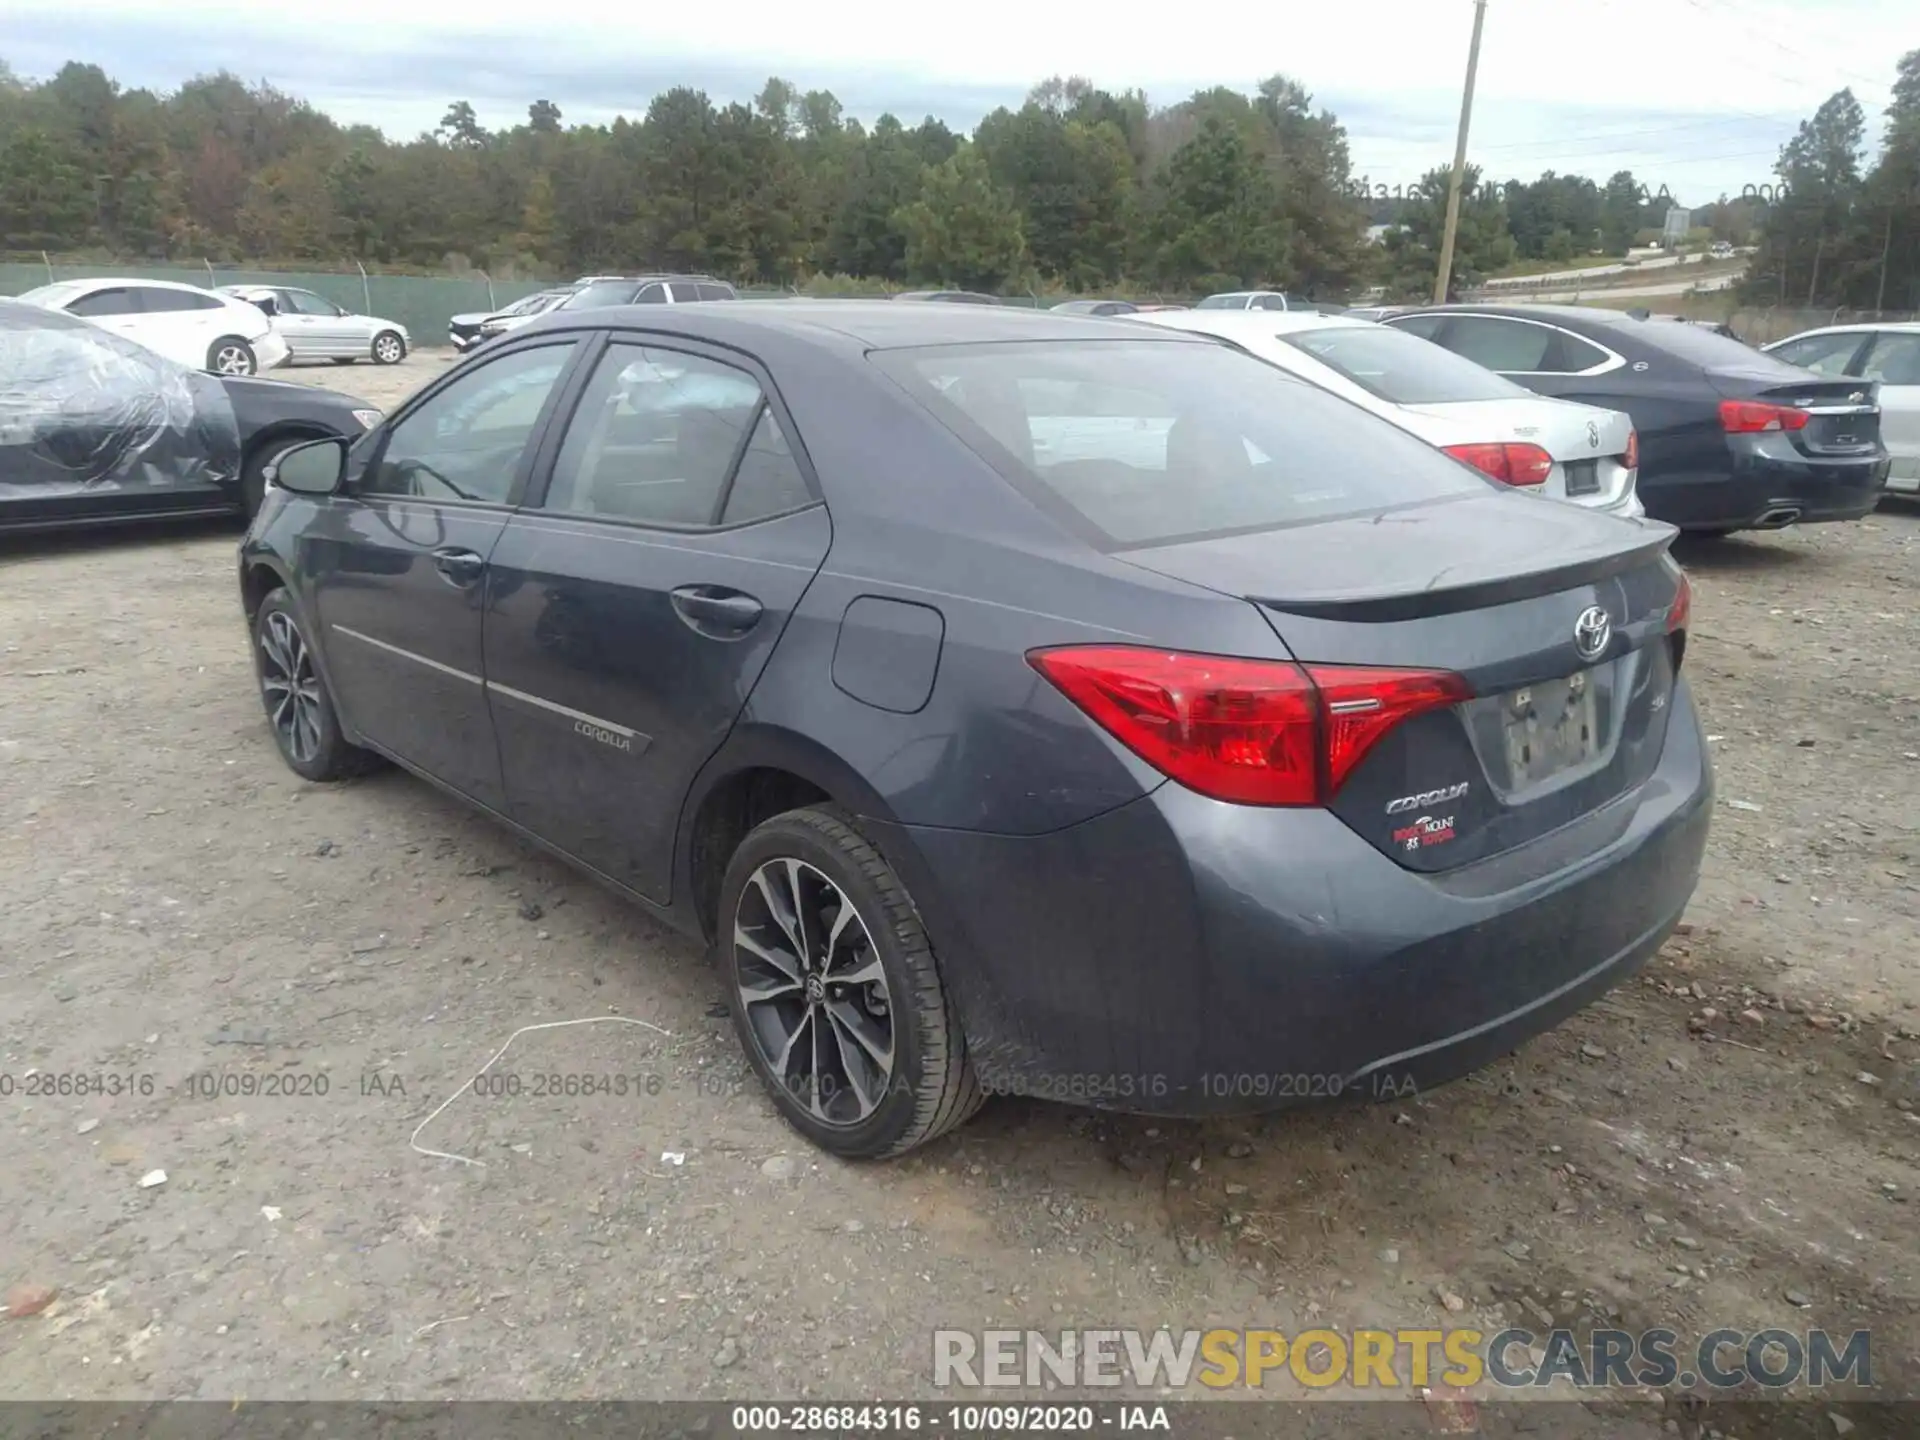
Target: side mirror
[315, 468]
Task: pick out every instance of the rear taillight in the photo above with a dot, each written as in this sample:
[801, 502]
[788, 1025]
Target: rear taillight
[1754, 417]
[1509, 464]
[1253, 732]
[1679, 616]
[1631, 460]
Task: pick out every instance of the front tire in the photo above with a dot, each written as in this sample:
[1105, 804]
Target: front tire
[835, 992]
[299, 706]
[388, 348]
[230, 355]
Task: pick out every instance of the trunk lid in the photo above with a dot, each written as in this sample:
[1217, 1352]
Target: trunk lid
[1845, 414]
[1569, 713]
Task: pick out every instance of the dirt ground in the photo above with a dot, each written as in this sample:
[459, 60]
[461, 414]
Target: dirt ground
[1729, 1140]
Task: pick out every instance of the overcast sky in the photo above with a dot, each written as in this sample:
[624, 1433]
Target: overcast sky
[1694, 94]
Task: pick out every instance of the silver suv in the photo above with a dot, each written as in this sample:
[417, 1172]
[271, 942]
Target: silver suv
[648, 290]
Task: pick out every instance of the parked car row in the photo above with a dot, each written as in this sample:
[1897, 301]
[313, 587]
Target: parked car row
[1729, 438]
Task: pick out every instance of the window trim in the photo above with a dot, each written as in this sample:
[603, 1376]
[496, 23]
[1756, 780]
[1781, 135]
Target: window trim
[532, 501]
[1614, 361]
[579, 342]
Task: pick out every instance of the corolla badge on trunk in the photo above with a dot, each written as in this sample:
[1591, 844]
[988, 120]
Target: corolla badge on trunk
[1426, 798]
[1591, 632]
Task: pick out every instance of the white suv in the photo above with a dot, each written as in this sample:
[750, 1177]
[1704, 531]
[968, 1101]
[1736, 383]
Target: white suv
[188, 325]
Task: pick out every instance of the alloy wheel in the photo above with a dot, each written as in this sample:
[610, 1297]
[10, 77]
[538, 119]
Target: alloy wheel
[387, 350]
[813, 992]
[290, 687]
[233, 360]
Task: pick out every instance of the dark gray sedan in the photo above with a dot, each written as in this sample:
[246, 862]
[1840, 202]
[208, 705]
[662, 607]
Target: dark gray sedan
[1014, 702]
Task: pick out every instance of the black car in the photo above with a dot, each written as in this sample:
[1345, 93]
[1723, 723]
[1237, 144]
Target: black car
[1730, 439]
[1015, 701]
[94, 427]
[949, 297]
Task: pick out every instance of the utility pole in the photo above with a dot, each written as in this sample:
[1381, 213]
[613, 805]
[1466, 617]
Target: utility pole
[1459, 160]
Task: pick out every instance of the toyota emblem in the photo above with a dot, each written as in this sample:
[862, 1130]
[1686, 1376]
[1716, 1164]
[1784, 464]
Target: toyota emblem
[1593, 435]
[1591, 632]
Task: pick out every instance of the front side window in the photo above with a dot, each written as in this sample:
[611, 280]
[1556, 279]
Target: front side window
[117, 301]
[305, 302]
[666, 438]
[467, 441]
[1401, 369]
[715, 291]
[1150, 442]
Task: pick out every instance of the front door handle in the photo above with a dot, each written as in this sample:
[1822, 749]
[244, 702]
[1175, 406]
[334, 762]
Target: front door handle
[716, 610]
[462, 567]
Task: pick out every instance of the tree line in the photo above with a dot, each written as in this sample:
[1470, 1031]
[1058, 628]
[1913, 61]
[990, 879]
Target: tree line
[1079, 189]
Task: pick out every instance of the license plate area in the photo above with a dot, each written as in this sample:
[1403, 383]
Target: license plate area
[1549, 728]
[1583, 477]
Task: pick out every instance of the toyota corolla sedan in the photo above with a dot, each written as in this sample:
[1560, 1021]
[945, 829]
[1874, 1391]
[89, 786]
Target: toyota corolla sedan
[1554, 448]
[1273, 756]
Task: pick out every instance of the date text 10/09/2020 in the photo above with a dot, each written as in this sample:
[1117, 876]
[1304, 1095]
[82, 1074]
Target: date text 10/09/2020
[1766, 192]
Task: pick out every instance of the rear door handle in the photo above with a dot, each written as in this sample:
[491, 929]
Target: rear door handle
[716, 610]
[462, 567]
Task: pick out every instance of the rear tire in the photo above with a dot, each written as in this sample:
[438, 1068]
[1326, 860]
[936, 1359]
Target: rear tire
[300, 710]
[849, 1026]
[230, 355]
[388, 348]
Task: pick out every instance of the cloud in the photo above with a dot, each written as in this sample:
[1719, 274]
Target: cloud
[1588, 88]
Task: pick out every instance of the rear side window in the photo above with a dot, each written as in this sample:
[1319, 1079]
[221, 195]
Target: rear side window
[685, 292]
[118, 301]
[156, 301]
[715, 292]
[1401, 369]
[594, 297]
[1505, 345]
[1894, 359]
[1144, 442]
[666, 438]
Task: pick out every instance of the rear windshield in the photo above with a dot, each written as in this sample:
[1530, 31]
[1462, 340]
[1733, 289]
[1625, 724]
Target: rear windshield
[1401, 368]
[1148, 442]
[1700, 345]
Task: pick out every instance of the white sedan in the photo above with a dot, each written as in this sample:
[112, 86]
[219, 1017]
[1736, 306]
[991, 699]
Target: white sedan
[1887, 352]
[317, 329]
[190, 326]
[1578, 453]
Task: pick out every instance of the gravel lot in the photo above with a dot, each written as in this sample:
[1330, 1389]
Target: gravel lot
[182, 905]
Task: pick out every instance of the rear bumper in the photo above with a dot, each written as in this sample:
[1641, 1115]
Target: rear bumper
[271, 351]
[1763, 480]
[1184, 957]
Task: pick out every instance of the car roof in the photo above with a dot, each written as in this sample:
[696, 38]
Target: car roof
[1259, 322]
[117, 280]
[846, 324]
[1855, 327]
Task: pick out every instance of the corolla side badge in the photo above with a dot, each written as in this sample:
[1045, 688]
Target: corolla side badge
[1591, 632]
[1593, 435]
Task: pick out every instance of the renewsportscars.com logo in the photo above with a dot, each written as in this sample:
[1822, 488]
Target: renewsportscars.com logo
[1396, 1359]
